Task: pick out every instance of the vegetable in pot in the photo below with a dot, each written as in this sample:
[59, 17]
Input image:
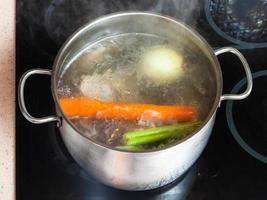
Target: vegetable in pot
[162, 65]
[91, 108]
[158, 134]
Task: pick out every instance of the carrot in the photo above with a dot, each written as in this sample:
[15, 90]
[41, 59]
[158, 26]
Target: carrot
[91, 108]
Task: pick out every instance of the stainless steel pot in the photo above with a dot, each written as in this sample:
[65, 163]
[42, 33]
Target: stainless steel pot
[129, 170]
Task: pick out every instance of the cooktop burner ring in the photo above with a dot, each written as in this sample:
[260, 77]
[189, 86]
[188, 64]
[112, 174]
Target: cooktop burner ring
[231, 122]
[230, 38]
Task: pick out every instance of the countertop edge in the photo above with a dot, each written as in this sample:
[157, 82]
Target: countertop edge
[7, 100]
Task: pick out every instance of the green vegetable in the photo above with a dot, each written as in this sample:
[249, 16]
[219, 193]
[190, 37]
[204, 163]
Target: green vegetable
[131, 148]
[158, 134]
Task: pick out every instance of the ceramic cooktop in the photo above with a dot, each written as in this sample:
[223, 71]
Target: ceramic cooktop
[234, 163]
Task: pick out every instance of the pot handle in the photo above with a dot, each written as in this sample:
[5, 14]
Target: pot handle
[21, 101]
[247, 71]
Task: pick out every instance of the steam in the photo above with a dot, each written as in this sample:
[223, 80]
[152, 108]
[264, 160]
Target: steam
[185, 10]
[62, 17]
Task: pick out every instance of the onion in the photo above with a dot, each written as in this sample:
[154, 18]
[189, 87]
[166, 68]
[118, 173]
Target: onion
[162, 65]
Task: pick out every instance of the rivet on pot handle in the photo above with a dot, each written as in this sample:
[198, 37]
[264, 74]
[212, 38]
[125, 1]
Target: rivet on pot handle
[247, 71]
[21, 101]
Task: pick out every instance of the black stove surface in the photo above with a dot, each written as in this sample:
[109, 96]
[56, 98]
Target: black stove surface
[234, 163]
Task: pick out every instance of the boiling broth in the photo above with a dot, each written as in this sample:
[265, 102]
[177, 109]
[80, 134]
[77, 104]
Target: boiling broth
[109, 70]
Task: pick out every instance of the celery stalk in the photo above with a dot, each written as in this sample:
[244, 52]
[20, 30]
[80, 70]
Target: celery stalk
[159, 133]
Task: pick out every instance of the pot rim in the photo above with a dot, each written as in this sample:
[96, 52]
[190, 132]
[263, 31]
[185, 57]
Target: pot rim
[205, 44]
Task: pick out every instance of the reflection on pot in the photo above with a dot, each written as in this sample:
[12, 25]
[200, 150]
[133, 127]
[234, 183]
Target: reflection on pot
[176, 190]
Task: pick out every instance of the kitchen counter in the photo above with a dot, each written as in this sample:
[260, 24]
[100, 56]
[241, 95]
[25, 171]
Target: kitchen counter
[7, 100]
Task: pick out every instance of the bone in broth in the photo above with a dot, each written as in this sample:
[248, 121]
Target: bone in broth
[136, 92]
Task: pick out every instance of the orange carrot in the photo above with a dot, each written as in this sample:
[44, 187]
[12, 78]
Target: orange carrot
[91, 108]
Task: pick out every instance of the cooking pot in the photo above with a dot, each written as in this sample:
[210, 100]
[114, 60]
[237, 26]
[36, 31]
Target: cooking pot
[134, 170]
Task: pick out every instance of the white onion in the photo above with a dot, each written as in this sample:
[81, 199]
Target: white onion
[162, 65]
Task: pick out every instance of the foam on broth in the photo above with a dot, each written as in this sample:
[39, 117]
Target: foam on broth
[108, 70]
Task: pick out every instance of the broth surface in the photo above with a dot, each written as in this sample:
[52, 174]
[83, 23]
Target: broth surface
[109, 70]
